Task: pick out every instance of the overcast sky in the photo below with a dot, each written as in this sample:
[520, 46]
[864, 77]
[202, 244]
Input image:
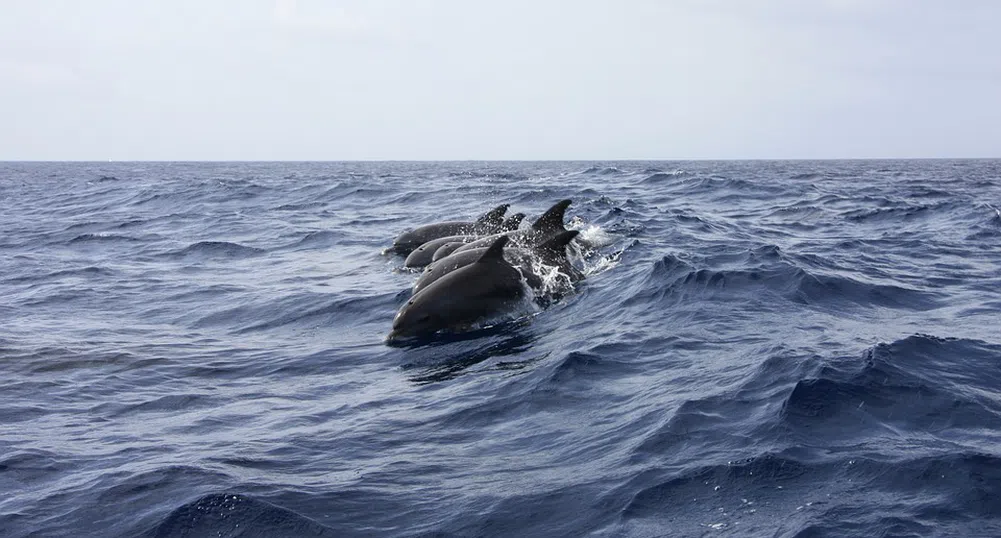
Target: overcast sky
[518, 79]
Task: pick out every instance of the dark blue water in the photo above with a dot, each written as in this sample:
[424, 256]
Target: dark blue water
[760, 349]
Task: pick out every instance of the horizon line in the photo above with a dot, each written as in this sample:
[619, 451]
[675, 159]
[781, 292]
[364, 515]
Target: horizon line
[699, 159]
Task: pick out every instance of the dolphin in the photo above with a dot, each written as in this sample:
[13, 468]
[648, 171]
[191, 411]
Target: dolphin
[484, 288]
[513, 222]
[510, 224]
[445, 250]
[489, 223]
[551, 252]
[424, 254]
[548, 225]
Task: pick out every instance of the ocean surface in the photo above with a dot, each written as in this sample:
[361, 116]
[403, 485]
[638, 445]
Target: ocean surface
[787, 348]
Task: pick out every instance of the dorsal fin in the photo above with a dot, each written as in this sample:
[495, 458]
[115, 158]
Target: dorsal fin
[495, 251]
[493, 217]
[558, 242]
[513, 222]
[551, 221]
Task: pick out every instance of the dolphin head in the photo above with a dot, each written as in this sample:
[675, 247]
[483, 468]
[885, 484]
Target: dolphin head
[417, 317]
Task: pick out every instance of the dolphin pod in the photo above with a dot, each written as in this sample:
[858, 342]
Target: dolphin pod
[491, 222]
[551, 252]
[482, 269]
[549, 224]
[425, 253]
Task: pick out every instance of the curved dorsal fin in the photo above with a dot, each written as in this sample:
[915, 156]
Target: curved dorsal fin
[551, 221]
[558, 242]
[495, 251]
[494, 216]
[513, 222]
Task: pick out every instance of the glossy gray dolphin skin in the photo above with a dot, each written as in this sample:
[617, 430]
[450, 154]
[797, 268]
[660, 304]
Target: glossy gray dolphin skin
[424, 254]
[489, 223]
[513, 222]
[548, 225]
[445, 250]
[551, 222]
[551, 252]
[485, 288]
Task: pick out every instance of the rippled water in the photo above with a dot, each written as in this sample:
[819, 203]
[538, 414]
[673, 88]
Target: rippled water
[761, 349]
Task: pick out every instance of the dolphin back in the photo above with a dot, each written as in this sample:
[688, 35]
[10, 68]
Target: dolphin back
[485, 288]
[489, 222]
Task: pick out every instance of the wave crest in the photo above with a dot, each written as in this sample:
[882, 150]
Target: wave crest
[768, 270]
[228, 514]
[216, 249]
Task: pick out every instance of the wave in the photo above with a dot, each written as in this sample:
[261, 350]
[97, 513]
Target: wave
[345, 190]
[320, 239]
[300, 206]
[774, 493]
[659, 176]
[486, 175]
[702, 224]
[31, 464]
[722, 185]
[925, 191]
[130, 223]
[921, 385]
[745, 417]
[172, 403]
[84, 225]
[830, 437]
[215, 249]
[446, 356]
[103, 237]
[900, 212]
[989, 228]
[995, 219]
[914, 384]
[583, 369]
[354, 310]
[90, 272]
[230, 514]
[11, 414]
[296, 309]
[767, 270]
[603, 170]
[150, 197]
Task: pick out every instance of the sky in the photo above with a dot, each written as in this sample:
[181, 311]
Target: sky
[490, 80]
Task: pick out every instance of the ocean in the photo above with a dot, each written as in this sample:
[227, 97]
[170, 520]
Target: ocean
[760, 348]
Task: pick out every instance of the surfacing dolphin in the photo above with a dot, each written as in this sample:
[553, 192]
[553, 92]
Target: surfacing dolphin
[513, 222]
[551, 252]
[445, 250]
[548, 225]
[488, 287]
[424, 254]
[489, 223]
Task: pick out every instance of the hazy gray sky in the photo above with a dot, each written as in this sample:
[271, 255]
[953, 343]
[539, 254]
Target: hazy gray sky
[464, 79]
